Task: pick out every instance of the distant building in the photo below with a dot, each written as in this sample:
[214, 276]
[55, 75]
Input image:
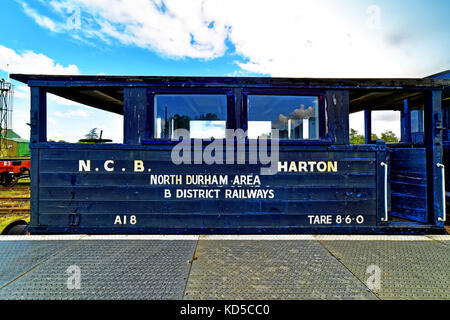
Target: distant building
[15, 145]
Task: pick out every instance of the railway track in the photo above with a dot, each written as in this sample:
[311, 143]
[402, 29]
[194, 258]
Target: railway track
[14, 198]
[14, 205]
[14, 210]
[24, 187]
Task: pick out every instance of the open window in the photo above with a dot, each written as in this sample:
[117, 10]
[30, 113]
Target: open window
[398, 119]
[69, 121]
[386, 126]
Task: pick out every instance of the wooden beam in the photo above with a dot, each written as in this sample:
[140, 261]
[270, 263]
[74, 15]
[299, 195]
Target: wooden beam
[337, 109]
[38, 122]
[116, 93]
[295, 83]
[393, 101]
[433, 143]
[136, 115]
[91, 100]
[406, 122]
[369, 96]
[368, 126]
[103, 96]
[38, 115]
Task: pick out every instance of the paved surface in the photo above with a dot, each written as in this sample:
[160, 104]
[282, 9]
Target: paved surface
[225, 267]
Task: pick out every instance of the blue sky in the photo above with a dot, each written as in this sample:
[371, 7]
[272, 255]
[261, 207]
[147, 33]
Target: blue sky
[216, 38]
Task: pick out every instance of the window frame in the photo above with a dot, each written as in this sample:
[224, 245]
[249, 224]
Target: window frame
[446, 119]
[152, 92]
[320, 94]
[420, 119]
[418, 137]
[237, 109]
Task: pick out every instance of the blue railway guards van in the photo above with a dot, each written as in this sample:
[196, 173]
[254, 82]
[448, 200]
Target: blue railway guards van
[240, 155]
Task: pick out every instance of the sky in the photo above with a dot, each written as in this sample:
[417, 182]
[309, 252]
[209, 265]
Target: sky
[280, 38]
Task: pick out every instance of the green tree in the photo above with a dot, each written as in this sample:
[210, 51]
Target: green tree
[389, 137]
[356, 138]
[92, 134]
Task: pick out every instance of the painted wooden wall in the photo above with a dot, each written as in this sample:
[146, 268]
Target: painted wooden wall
[74, 201]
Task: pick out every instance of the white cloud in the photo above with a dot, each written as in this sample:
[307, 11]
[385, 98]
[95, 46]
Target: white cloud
[31, 62]
[75, 128]
[280, 38]
[72, 113]
[40, 20]
[317, 39]
[175, 28]
[381, 122]
[51, 98]
[22, 92]
[52, 121]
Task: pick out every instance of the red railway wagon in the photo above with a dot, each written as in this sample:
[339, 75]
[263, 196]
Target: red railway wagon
[11, 170]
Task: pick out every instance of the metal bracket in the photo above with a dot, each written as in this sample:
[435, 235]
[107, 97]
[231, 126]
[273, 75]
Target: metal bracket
[74, 219]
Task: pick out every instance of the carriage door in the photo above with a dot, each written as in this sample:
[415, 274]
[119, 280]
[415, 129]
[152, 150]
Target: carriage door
[408, 182]
[416, 164]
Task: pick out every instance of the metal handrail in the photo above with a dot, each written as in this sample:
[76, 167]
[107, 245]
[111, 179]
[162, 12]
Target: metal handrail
[383, 164]
[444, 213]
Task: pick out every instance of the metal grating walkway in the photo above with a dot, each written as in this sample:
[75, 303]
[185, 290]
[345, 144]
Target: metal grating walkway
[408, 269]
[304, 269]
[225, 267]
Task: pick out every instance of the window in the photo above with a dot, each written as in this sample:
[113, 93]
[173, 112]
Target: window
[417, 120]
[296, 117]
[417, 124]
[71, 122]
[386, 125]
[203, 115]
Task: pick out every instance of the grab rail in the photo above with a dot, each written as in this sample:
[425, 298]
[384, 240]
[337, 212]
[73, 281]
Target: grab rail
[444, 213]
[383, 164]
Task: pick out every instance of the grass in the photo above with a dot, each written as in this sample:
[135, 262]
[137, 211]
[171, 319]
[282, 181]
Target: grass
[14, 204]
[19, 190]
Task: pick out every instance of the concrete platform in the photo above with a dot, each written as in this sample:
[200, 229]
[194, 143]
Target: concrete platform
[225, 267]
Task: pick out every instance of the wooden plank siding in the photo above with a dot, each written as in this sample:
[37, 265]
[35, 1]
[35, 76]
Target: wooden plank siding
[408, 181]
[96, 197]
